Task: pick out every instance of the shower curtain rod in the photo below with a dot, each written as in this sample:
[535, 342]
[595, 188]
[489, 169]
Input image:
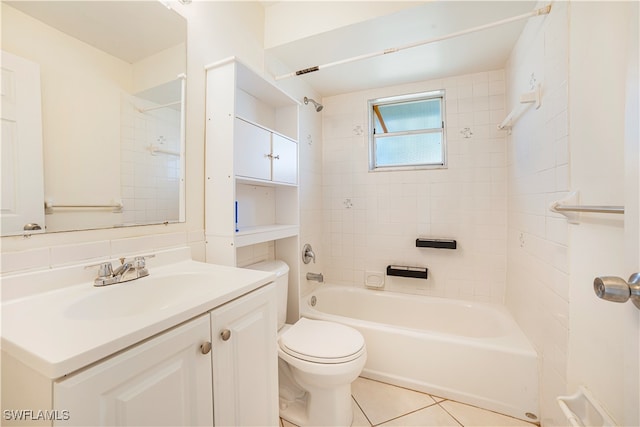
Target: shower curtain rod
[542, 11]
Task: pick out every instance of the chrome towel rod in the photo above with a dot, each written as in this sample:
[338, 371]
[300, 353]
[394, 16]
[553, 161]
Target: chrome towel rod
[49, 205]
[571, 208]
[593, 209]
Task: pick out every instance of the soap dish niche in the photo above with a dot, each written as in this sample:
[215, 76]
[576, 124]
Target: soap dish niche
[374, 279]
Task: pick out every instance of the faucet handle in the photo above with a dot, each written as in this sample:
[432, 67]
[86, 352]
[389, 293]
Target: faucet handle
[141, 260]
[105, 269]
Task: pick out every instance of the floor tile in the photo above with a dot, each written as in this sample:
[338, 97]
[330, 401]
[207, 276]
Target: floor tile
[381, 402]
[471, 416]
[285, 423]
[431, 416]
[359, 418]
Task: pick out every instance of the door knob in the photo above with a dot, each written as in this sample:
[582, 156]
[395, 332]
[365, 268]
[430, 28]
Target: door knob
[617, 289]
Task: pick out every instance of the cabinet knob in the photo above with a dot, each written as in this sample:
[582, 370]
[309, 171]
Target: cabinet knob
[205, 347]
[225, 334]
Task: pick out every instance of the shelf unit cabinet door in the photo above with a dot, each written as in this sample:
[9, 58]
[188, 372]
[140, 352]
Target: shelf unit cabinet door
[245, 360]
[252, 151]
[163, 381]
[285, 160]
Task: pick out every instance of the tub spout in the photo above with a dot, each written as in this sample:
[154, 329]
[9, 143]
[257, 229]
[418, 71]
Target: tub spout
[316, 277]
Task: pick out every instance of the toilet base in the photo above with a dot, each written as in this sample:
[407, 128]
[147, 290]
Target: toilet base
[303, 412]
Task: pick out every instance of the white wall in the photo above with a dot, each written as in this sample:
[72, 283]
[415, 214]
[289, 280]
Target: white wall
[389, 210]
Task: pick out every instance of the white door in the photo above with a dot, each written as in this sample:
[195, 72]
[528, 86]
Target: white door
[165, 381]
[245, 360]
[22, 166]
[632, 191]
[284, 160]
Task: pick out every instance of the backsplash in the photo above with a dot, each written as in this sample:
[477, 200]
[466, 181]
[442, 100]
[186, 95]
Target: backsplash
[371, 219]
[61, 255]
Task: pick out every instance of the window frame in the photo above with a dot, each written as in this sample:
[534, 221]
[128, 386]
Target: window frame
[435, 94]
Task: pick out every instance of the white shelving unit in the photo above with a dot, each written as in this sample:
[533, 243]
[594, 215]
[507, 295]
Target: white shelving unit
[251, 160]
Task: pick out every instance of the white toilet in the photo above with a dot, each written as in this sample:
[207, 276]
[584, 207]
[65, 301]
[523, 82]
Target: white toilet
[318, 361]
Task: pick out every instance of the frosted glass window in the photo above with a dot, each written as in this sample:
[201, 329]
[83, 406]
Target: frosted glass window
[407, 132]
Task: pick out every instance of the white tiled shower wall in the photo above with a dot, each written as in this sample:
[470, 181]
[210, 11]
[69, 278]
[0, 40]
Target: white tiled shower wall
[371, 219]
[150, 181]
[538, 174]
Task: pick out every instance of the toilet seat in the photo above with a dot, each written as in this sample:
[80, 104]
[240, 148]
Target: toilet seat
[320, 341]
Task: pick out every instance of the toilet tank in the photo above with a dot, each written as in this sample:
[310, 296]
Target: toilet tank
[281, 269]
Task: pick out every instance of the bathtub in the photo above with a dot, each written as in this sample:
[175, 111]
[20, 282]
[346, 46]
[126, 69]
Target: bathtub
[470, 352]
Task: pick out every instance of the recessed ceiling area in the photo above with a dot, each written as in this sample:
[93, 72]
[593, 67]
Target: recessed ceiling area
[479, 51]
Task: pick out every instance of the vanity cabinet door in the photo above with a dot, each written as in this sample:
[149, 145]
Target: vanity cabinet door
[163, 381]
[245, 360]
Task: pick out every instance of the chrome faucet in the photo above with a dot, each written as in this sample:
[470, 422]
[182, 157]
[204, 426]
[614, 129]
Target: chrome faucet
[318, 277]
[126, 271]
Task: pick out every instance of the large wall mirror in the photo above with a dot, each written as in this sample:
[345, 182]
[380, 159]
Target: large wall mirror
[112, 85]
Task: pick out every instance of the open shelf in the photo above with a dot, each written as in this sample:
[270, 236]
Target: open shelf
[264, 233]
[262, 182]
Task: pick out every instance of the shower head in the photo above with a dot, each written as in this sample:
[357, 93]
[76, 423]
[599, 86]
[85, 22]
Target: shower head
[318, 106]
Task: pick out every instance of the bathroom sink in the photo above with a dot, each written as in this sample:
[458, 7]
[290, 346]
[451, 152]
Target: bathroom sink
[136, 297]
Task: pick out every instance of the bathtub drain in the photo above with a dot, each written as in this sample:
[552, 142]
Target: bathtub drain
[314, 300]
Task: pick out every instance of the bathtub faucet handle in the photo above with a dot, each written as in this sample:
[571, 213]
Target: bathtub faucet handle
[307, 254]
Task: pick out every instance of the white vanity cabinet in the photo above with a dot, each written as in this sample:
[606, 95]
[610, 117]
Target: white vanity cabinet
[220, 368]
[245, 360]
[163, 381]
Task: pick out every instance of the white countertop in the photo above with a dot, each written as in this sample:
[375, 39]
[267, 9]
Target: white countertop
[52, 333]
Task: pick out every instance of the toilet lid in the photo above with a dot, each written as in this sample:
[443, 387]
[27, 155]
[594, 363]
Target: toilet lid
[322, 342]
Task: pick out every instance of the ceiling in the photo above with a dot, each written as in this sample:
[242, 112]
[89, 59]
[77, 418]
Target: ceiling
[111, 26]
[479, 51]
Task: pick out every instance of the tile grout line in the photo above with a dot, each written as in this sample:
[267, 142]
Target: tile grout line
[450, 414]
[361, 410]
[407, 413]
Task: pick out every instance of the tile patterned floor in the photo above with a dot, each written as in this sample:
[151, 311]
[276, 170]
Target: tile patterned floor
[379, 404]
